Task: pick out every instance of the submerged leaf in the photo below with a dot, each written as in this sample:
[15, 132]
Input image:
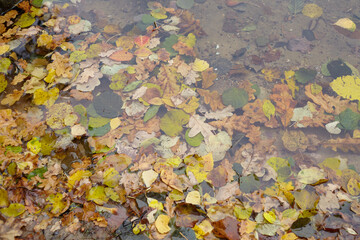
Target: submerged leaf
[13, 210]
[171, 123]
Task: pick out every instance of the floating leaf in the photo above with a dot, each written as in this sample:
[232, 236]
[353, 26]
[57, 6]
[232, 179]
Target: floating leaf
[281, 166]
[34, 145]
[111, 177]
[235, 97]
[311, 175]
[346, 23]
[304, 75]
[142, 41]
[312, 10]
[268, 108]
[132, 86]
[270, 216]
[171, 123]
[347, 87]
[58, 204]
[108, 104]
[25, 20]
[14, 210]
[77, 56]
[185, 4]
[194, 141]
[151, 112]
[242, 213]
[295, 140]
[77, 176]
[200, 65]
[305, 199]
[149, 177]
[349, 120]
[121, 56]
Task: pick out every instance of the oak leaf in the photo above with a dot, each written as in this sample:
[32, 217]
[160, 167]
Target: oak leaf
[212, 98]
[284, 102]
[198, 125]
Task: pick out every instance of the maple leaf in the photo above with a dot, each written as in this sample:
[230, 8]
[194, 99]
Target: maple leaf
[198, 125]
[212, 98]
[284, 103]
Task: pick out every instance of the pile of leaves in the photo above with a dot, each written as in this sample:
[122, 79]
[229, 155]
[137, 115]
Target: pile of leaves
[169, 155]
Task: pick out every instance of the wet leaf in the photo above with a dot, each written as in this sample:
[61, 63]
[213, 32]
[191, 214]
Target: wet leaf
[171, 123]
[4, 66]
[296, 6]
[235, 97]
[249, 184]
[58, 204]
[194, 141]
[185, 4]
[4, 200]
[346, 23]
[268, 108]
[151, 112]
[111, 177]
[108, 104]
[305, 199]
[97, 194]
[78, 56]
[200, 65]
[193, 197]
[162, 223]
[77, 176]
[34, 145]
[242, 213]
[149, 177]
[347, 87]
[311, 175]
[304, 75]
[349, 120]
[13, 210]
[121, 56]
[295, 140]
[25, 20]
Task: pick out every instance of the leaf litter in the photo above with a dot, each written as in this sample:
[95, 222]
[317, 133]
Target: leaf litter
[160, 130]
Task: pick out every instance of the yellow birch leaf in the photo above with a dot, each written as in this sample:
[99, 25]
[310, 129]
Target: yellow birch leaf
[4, 49]
[58, 205]
[153, 203]
[77, 176]
[200, 65]
[270, 216]
[312, 10]
[110, 193]
[114, 123]
[347, 87]
[193, 197]
[44, 40]
[203, 229]
[346, 23]
[353, 187]
[34, 145]
[139, 228]
[97, 194]
[268, 108]
[162, 224]
[190, 106]
[51, 76]
[4, 200]
[289, 236]
[111, 177]
[149, 177]
[14, 210]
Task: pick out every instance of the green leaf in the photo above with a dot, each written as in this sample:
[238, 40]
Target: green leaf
[168, 43]
[151, 112]
[296, 6]
[185, 4]
[14, 210]
[108, 104]
[242, 213]
[37, 172]
[37, 3]
[77, 56]
[194, 141]
[132, 86]
[25, 20]
[249, 184]
[98, 122]
[4, 65]
[147, 19]
[305, 199]
[14, 149]
[235, 97]
[349, 120]
[100, 131]
[281, 166]
[171, 123]
[304, 75]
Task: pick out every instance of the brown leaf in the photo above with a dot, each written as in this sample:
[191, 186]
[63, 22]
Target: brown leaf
[295, 140]
[79, 95]
[227, 228]
[208, 77]
[218, 176]
[284, 103]
[187, 215]
[121, 56]
[344, 144]
[166, 78]
[212, 98]
[189, 24]
[183, 49]
[12, 98]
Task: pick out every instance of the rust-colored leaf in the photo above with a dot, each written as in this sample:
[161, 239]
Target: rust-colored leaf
[212, 98]
[121, 56]
[142, 41]
[284, 103]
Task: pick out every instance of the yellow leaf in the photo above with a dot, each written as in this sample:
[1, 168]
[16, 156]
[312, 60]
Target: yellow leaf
[77, 176]
[270, 216]
[139, 228]
[162, 224]
[4, 49]
[110, 193]
[200, 167]
[189, 41]
[190, 106]
[44, 40]
[346, 23]
[14, 210]
[353, 187]
[289, 236]
[4, 200]
[58, 205]
[203, 229]
[153, 203]
[34, 145]
[149, 177]
[193, 197]
[312, 10]
[97, 194]
[111, 177]
[268, 108]
[347, 87]
[114, 123]
[270, 74]
[125, 42]
[200, 65]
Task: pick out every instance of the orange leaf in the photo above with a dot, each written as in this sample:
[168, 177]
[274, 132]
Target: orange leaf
[284, 103]
[141, 41]
[208, 77]
[213, 98]
[143, 52]
[121, 56]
